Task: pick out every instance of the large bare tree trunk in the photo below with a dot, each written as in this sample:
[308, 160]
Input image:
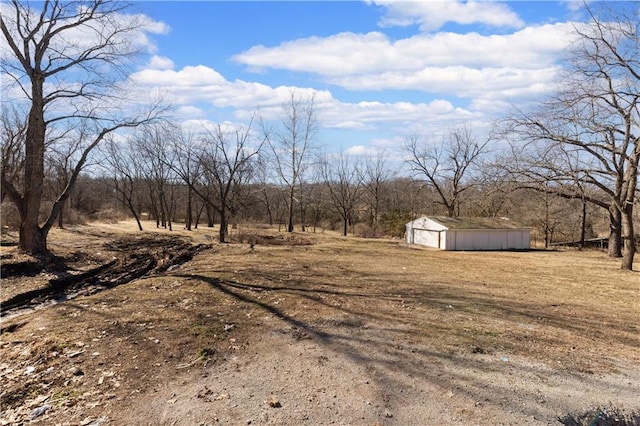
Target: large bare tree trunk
[210, 216]
[224, 225]
[32, 239]
[586, 133]
[628, 234]
[615, 232]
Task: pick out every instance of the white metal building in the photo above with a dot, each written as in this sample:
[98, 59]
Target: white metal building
[452, 233]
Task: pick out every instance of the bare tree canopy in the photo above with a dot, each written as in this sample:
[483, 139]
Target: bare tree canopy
[227, 160]
[291, 143]
[447, 166]
[63, 65]
[12, 137]
[344, 179]
[376, 173]
[123, 165]
[584, 142]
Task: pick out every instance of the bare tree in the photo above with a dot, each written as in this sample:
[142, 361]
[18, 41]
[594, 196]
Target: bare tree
[318, 204]
[185, 163]
[587, 132]
[63, 150]
[552, 169]
[63, 58]
[447, 166]
[267, 191]
[492, 195]
[13, 130]
[226, 161]
[344, 180]
[153, 145]
[376, 174]
[291, 143]
[126, 173]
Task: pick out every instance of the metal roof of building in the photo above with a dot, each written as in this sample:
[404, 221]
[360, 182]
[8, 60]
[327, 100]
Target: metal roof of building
[476, 222]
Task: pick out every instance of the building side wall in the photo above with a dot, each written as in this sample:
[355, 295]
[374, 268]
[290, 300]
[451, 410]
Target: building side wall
[423, 231]
[487, 240]
[426, 237]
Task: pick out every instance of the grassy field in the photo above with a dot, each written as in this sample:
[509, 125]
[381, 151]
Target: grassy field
[575, 312]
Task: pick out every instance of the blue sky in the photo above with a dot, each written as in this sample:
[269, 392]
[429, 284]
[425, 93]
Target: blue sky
[382, 70]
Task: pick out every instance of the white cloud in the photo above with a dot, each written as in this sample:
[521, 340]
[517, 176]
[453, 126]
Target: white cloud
[370, 115]
[190, 84]
[490, 71]
[189, 112]
[334, 55]
[130, 30]
[432, 15]
[360, 150]
[391, 150]
[160, 63]
[145, 26]
[350, 53]
[465, 82]
[194, 85]
[474, 66]
[575, 5]
[198, 125]
[200, 83]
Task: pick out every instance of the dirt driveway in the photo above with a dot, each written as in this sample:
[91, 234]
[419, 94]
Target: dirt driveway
[317, 329]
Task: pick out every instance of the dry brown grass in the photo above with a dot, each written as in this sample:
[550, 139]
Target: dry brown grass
[569, 310]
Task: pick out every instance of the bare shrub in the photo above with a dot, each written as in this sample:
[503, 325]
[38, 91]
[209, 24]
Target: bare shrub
[108, 216]
[9, 216]
[253, 239]
[393, 223]
[366, 231]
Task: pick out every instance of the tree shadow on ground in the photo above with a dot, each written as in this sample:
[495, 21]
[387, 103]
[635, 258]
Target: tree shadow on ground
[385, 342]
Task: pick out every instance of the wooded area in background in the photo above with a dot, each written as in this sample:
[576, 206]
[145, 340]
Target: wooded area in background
[78, 147]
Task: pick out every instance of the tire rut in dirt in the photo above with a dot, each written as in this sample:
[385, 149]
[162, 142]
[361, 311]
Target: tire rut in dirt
[137, 257]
